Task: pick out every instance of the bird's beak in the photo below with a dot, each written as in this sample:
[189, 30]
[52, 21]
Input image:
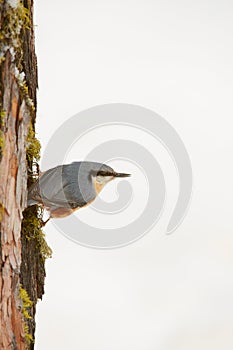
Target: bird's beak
[121, 175]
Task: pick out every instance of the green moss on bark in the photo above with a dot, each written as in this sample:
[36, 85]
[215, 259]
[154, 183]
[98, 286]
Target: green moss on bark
[26, 307]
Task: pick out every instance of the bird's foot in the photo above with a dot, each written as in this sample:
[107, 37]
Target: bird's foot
[43, 223]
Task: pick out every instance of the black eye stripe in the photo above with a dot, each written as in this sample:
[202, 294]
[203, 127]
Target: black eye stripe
[104, 173]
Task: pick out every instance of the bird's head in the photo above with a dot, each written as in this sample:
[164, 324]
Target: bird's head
[105, 174]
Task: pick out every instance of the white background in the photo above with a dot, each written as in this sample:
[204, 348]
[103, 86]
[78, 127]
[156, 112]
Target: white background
[174, 57]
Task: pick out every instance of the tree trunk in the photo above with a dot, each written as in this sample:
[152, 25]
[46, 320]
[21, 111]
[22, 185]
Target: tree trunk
[22, 254]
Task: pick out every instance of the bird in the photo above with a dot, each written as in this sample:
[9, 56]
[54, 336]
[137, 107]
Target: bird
[66, 188]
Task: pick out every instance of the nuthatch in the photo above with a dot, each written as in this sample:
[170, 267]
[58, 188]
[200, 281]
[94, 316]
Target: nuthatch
[66, 188]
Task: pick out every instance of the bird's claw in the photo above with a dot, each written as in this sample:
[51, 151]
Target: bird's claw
[43, 223]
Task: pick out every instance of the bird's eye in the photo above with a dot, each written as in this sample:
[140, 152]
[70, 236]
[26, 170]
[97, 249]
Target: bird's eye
[102, 173]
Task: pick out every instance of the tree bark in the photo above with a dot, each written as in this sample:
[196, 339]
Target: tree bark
[22, 258]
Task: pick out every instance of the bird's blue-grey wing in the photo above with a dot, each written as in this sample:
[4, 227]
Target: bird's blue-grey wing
[60, 187]
[46, 186]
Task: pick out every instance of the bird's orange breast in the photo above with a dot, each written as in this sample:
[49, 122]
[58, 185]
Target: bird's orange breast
[98, 186]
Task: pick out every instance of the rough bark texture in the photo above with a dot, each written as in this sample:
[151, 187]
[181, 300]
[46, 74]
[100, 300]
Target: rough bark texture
[21, 262]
